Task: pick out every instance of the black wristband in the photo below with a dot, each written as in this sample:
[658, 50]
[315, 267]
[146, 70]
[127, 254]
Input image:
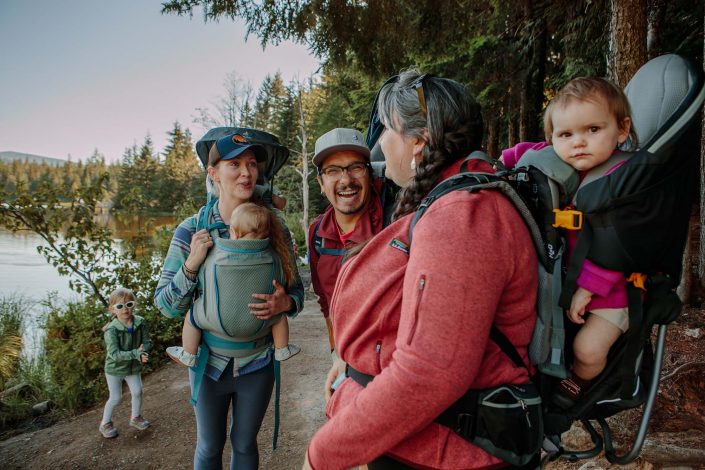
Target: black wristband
[190, 275]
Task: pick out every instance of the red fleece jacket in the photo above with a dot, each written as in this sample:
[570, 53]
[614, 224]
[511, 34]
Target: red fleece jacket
[420, 323]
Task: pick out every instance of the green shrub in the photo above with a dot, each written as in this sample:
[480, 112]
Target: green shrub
[75, 352]
[293, 221]
[12, 309]
[31, 374]
[16, 415]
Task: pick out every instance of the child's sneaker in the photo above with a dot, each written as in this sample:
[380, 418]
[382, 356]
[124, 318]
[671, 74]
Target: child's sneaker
[180, 356]
[568, 392]
[282, 354]
[140, 423]
[108, 430]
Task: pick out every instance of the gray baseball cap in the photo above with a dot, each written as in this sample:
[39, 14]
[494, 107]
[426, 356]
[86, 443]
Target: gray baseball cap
[338, 140]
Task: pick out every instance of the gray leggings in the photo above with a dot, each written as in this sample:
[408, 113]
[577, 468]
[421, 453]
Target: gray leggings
[249, 396]
[134, 382]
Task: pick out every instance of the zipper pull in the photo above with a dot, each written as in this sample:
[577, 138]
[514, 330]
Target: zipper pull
[378, 347]
[422, 283]
[526, 412]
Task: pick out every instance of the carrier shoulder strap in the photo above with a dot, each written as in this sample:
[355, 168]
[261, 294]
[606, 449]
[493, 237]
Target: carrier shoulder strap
[584, 242]
[477, 181]
[476, 155]
[601, 170]
[318, 244]
[507, 347]
[205, 214]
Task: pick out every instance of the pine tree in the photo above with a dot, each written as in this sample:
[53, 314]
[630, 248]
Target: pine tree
[183, 176]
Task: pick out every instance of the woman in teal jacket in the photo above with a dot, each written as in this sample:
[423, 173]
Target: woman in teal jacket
[127, 346]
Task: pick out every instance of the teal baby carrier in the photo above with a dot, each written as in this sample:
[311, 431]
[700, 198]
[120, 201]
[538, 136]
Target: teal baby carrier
[232, 271]
[230, 274]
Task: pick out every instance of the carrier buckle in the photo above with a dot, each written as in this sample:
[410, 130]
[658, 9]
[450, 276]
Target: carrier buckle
[569, 219]
[638, 279]
[464, 425]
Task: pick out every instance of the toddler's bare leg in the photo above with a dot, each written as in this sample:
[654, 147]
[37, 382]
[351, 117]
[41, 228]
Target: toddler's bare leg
[591, 346]
[190, 336]
[283, 349]
[280, 333]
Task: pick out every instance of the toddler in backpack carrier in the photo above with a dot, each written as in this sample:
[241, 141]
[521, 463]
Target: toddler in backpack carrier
[586, 122]
[256, 255]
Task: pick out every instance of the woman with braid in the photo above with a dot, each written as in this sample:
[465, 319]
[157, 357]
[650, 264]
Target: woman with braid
[413, 322]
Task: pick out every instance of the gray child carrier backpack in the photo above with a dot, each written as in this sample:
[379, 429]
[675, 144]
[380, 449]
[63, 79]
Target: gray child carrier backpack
[633, 220]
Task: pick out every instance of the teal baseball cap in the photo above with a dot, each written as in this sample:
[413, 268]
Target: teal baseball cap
[232, 146]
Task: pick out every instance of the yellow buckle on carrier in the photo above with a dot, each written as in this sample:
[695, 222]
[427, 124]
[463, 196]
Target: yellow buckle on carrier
[638, 279]
[569, 219]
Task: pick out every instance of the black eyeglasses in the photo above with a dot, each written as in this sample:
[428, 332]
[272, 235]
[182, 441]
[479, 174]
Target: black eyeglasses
[129, 304]
[418, 86]
[355, 170]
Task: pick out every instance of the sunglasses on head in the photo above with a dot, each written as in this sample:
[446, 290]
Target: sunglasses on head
[129, 304]
[418, 86]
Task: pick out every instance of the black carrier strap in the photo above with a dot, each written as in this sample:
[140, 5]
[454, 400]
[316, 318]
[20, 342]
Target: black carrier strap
[576, 262]
[634, 343]
[466, 181]
[318, 244]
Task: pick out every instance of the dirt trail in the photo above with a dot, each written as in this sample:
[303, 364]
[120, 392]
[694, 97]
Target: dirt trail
[170, 441]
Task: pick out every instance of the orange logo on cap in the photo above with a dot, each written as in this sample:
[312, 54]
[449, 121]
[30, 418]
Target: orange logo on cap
[238, 139]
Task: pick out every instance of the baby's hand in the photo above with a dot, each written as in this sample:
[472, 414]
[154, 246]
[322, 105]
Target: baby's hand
[580, 300]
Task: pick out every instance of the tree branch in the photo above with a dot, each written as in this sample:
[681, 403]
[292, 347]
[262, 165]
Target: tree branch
[681, 367]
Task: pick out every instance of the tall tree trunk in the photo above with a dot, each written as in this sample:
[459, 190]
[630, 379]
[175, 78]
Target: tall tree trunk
[512, 127]
[701, 238]
[532, 92]
[304, 169]
[627, 45]
[541, 48]
[492, 144]
[656, 15]
[526, 117]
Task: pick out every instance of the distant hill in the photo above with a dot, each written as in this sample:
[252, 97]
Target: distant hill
[27, 157]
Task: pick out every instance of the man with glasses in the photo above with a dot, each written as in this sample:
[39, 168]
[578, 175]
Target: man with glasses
[354, 214]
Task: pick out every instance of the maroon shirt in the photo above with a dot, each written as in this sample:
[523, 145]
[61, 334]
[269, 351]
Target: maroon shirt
[325, 268]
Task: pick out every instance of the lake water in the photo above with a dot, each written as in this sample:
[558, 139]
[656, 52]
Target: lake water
[25, 273]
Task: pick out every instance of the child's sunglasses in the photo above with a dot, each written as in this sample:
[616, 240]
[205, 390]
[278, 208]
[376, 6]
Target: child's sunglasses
[129, 304]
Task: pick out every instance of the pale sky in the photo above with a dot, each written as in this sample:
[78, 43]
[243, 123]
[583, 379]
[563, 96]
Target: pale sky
[77, 75]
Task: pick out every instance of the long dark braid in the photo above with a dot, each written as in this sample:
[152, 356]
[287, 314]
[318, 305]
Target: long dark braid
[451, 128]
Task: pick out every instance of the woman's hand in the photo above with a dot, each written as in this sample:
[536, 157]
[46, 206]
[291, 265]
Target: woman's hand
[581, 299]
[273, 304]
[201, 242]
[337, 369]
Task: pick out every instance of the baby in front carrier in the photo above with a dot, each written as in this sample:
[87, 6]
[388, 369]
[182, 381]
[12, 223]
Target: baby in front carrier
[585, 122]
[249, 221]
